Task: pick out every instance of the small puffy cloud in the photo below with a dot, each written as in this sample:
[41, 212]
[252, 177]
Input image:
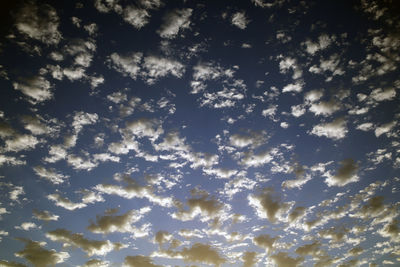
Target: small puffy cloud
[268, 206]
[80, 163]
[385, 128]
[134, 190]
[325, 108]
[249, 259]
[38, 22]
[45, 215]
[240, 20]
[202, 253]
[65, 202]
[10, 160]
[265, 241]
[158, 67]
[83, 118]
[50, 175]
[96, 263]
[21, 142]
[323, 42]
[251, 159]
[36, 89]
[309, 249]
[367, 126]
[127, 65]
[297, 110]
[16, 192]
[383, 95]
[56, 153]
[139, 260]
[91, 247]
[201, 204]
[4, 263]
[35, 253]
[35, 125]
[391, 230]
[26, 226]
[174, 22]
[282, 259]
[252, 139]
[335, 130]
[289, 63]
[144, 127]
[346, 174]
[137, 17]
[121, 223]
[313, 95]
[293, 87]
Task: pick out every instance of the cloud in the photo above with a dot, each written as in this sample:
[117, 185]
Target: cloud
[266, 241]
[96, 263]
[158, 67]
[385, 128]
[323, 42]
[133, 190]
[91, 247]
[36, 89]
[240, 20]
[137, 17]
[252, 138]
[174, 22]
[39, 256]
[346, 174]
[335, 130]
[50, 175]
[4, 263]
[27, 226]
[201, 204]
[10, 160]
[83, 118]
[21, 142]
[249, 259]
[45, 215]
[65, 202]
[325, 108]
[139, 260]
[282, 259]
[383, 95]
[309, 249]
[202, 253]
[293, 87]
[38, 22]
[267, 206]
[121, 223]
[128, 64]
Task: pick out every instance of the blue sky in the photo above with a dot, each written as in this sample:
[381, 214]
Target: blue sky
[199, 133]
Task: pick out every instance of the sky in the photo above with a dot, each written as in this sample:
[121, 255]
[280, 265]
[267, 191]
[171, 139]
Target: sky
[154, 133]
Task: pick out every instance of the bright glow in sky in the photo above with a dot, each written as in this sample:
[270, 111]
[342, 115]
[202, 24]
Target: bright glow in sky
[155, 133]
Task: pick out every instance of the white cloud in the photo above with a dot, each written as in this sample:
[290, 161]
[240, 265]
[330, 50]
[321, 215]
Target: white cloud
[37, 89]
[39, 22]
[174, 22]
[50, 175]
[346, 174]
[27, 226]
[335, 130]
[91, 247]
[137, 17]
[127, 64]
[383, 95]
[21, 142]
[65, 202]
[240, 20]
[325, 108]
[157, 67]
[293, 87]
[385, 128]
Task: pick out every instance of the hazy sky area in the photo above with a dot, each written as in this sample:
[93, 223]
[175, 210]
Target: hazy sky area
[247, 133]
